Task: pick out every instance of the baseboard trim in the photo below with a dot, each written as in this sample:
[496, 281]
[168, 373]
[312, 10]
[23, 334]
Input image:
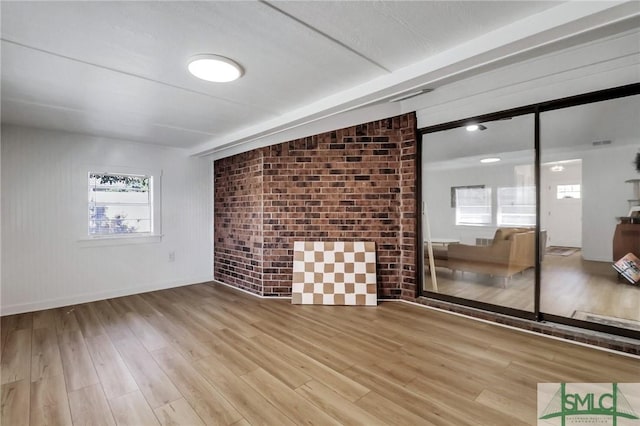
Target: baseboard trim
[92, 297]
[260, 296]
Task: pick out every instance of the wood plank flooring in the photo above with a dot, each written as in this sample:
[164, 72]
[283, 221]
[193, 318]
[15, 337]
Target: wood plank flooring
[207, 354]
[569, 284]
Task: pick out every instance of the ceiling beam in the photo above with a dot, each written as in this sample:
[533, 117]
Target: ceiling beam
[551, 26]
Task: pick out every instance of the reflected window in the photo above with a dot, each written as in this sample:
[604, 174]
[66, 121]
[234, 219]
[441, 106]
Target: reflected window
[473, 205]
[517, 206]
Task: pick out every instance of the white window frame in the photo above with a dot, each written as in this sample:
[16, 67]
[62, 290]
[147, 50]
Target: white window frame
[500, 216]
[458, 207]
[96, 188]
[80, 186]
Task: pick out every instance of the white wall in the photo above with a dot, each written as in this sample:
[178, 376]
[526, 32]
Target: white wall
[604, 197]
[46, 264]
[1, 204]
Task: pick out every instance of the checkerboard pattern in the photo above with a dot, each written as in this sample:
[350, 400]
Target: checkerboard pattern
[334, 273]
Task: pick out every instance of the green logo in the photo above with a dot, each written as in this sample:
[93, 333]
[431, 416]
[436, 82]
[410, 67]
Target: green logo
[585, 403]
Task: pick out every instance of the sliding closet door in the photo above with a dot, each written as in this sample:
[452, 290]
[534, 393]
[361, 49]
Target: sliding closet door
[589, 184]
[479, 212]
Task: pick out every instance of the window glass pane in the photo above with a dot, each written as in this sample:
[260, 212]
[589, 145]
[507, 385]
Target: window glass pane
[119, 204]
[480, 213]
[473, 206]
[517, 206]
[587, 172]
[109, 197]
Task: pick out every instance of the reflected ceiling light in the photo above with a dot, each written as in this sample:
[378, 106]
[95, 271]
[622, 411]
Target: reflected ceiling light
[475, 127]
[490, 160]
[214, 68]
[557, 168]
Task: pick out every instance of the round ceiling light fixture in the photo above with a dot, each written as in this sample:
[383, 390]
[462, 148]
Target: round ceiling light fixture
[214, 68]
[490, 160]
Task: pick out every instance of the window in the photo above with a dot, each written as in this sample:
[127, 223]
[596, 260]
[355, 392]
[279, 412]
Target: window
[517, 206]
[473, 205]
[568, 191]
[120, 204]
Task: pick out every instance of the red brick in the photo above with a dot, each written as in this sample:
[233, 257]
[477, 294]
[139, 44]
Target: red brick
[351, 184]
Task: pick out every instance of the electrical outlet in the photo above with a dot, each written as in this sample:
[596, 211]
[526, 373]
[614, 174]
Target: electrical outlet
[172, 256]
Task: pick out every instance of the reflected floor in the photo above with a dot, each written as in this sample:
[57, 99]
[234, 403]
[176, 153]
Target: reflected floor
[569, 284]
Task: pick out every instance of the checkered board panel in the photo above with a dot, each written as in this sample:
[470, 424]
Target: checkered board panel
[334, 273]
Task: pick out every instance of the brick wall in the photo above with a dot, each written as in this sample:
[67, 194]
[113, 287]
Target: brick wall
[409, 164]
[352, 184]
[238, 221]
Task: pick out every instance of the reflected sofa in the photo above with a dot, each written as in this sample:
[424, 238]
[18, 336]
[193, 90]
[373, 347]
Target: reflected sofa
[512, 250]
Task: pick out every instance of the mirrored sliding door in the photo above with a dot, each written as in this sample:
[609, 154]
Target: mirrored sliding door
[479, 212]
[589, 197]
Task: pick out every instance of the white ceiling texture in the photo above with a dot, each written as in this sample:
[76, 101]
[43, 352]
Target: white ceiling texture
[118, 69]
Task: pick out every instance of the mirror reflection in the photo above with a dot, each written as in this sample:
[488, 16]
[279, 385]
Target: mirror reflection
[479, 212]
[587, 196]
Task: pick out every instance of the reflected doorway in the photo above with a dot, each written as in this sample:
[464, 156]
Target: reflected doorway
[561, 203]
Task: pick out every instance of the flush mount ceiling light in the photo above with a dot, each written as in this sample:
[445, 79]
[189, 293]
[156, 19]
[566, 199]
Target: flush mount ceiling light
[557, 168]
[475, 127]
[490, 160]
[214, 68]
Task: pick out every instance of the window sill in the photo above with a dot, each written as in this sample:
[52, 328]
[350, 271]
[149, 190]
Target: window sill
[119, 240]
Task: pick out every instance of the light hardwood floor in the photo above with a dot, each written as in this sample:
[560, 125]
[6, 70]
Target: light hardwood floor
[207, 354]
[569, 284]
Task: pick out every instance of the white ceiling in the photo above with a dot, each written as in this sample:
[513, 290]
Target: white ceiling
[118, 69]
